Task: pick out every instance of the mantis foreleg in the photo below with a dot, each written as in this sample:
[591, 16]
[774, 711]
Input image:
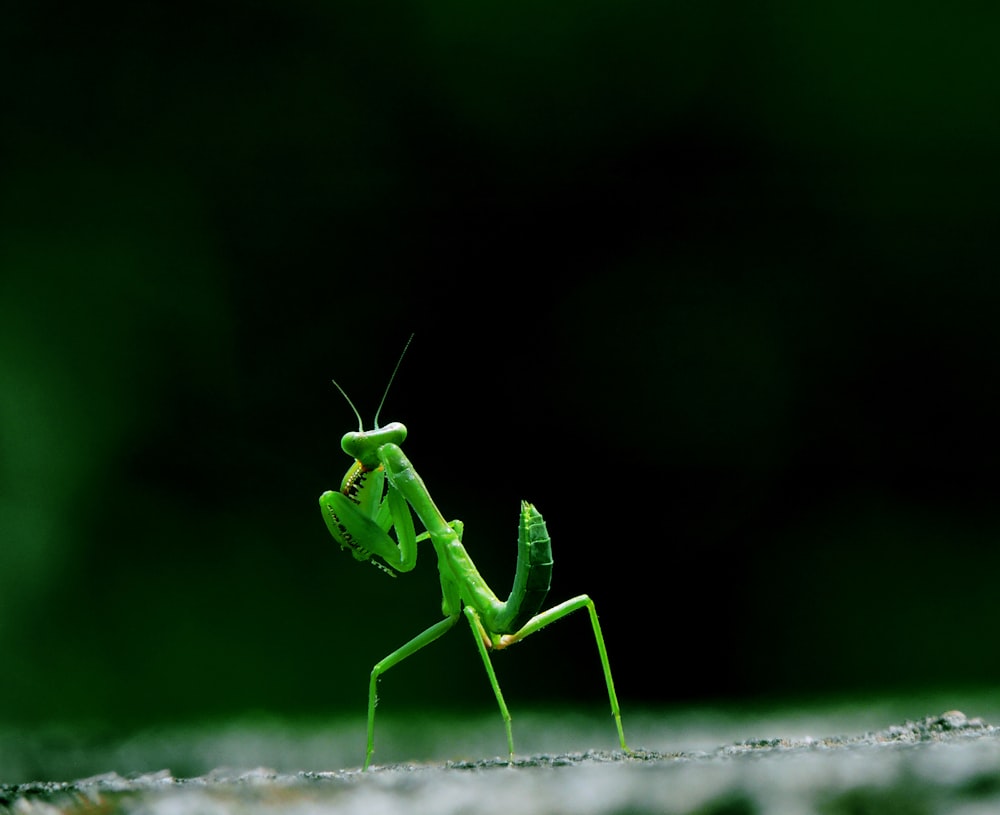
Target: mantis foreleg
[364, 530]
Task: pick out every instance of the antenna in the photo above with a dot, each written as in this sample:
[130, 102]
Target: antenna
[361, 428]
[394, 370]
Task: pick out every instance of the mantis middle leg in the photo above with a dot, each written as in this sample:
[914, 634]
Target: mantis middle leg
[397, 656]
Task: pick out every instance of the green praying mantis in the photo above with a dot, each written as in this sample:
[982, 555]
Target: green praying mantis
[377, 494]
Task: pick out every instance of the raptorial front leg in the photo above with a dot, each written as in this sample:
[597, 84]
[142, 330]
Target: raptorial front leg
[543, 619]
[397, 656]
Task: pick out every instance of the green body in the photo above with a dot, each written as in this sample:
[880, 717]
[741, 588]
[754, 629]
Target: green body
[377, 495]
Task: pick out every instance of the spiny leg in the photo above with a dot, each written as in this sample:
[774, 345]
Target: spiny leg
[395, 658]
[539, 621]
[478, 634]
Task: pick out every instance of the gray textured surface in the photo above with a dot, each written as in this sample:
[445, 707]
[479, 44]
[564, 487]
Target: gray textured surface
[941, 763]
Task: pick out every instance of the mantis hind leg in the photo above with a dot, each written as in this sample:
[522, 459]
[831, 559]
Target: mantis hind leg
[480, 636]
[388, 662]
[543, 619]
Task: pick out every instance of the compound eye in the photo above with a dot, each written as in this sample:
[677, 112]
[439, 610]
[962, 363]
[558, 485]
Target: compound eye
[351, 443]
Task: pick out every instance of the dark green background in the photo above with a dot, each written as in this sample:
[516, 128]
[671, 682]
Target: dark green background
[714, 284]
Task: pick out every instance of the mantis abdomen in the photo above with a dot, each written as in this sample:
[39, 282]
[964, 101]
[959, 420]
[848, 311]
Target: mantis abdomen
[534, 572]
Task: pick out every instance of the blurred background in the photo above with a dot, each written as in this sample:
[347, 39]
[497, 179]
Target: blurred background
[714, 285]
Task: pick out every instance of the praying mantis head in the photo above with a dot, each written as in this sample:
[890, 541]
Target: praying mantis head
[363, 445]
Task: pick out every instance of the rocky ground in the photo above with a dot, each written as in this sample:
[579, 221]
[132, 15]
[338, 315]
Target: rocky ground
[942, 763]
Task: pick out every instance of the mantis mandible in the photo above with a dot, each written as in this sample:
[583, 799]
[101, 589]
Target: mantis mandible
[377, 494]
